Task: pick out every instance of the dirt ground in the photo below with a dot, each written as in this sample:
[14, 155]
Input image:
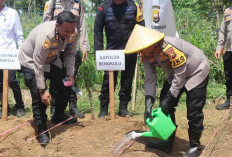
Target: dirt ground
[99, 137]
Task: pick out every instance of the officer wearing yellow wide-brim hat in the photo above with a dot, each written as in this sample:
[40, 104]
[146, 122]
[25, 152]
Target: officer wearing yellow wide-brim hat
[187, 70]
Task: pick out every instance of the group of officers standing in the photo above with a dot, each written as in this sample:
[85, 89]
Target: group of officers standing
[51, 51]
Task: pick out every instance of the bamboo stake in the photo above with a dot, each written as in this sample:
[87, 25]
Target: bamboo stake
[5, 95]
[111, 92]
[139, 77]
[216, 66]
[91, 103]
[135, 87]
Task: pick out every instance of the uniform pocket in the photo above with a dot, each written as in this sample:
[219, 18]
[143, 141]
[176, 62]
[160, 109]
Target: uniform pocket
[7, 27]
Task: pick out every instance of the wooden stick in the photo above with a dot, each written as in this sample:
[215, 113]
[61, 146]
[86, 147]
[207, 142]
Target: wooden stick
[135, 87]
[5, 95]
[91, 103]
[111, 93]
[139, 77]
[216, 66]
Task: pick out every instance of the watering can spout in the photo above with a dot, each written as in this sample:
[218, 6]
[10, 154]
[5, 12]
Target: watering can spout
[149, 134]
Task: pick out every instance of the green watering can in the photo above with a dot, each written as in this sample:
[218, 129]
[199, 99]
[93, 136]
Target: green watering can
[160, 127]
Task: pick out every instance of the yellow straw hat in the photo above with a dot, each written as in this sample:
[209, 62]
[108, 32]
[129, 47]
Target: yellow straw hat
[141, 38]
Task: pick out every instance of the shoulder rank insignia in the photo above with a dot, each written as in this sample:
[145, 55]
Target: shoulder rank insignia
[75, 12]
[52, 53]
[76, 6]
[176, 56]
[54, 44]
[46, 44]
[228, 11]
[45, 7]
[139, 16]
[99, 10]
[227, 18]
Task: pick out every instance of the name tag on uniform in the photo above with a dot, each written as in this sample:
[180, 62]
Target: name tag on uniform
[9, 59]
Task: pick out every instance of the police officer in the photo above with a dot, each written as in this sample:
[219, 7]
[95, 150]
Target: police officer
[159, 15]
[39, 57]
[51, 10]
[187, 71]
[119, 18]
[225, 39]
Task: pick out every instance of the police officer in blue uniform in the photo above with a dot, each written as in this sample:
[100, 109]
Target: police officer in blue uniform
[118, 17]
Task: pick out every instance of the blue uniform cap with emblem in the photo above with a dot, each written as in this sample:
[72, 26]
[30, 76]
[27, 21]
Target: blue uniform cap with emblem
[141, 38]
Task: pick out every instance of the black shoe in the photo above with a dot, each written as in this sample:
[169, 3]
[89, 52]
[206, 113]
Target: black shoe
[165, 146]
[124, 112]
[224, 106]
[61, 118]
[103, 114]
[192, 152]
[76, 113]
[20, 112]
[43, 139]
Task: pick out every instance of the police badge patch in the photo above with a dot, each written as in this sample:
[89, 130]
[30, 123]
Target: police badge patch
[155, 13]
[45, 7]
[176, 56]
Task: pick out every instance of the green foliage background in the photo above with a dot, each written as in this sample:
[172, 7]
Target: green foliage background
[198, 22]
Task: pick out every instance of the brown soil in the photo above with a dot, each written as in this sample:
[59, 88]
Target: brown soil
[99, 137]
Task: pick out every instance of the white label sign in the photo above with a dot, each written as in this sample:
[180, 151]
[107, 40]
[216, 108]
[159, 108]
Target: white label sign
[110, 60]
[9, 59]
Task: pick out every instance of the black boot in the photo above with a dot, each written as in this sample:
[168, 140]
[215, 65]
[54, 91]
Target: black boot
[103, 110]
[73, 111]
[224, 106]
[20, 112]
[194, 141]
[43, 138]
[165, 146]
[60, 118]
[123, 111]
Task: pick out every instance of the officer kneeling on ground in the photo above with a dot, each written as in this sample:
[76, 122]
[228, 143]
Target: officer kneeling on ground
[187, 71]
[39, 57]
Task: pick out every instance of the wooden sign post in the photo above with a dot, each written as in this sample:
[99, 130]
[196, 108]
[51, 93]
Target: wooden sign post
[5, 95]
[111, 93]
[110, 60]
[8, 60]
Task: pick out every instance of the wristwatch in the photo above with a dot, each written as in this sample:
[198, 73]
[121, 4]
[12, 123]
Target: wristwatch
[41, 91]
